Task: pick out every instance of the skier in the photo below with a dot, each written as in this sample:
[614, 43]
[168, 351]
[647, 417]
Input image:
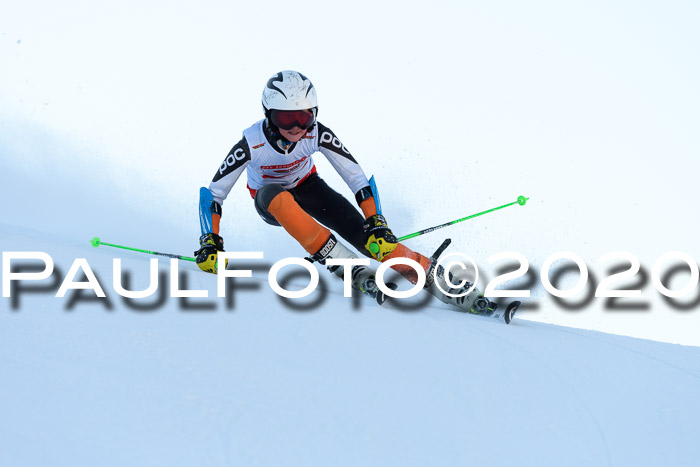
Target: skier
[276, 153]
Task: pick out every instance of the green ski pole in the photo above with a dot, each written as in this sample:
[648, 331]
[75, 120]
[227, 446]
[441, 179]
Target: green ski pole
[97, 242]
[521, 201]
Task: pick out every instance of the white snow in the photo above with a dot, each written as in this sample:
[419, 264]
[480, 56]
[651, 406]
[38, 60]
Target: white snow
[255, 381]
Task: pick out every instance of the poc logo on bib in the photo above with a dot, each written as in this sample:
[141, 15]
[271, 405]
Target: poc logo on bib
[329, 138]
[237, 155]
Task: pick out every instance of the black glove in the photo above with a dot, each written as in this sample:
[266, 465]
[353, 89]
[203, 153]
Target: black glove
[379, 240]
[206, 257]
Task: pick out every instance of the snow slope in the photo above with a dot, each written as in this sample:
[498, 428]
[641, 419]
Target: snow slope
[259, 382]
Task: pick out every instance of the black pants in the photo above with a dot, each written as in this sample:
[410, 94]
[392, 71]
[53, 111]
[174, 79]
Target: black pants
[325, 205]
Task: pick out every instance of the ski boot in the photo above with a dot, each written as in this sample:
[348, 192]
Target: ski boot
[363, 278]
[474, 302]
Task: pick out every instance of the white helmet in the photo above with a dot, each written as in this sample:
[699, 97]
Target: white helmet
[289, 90]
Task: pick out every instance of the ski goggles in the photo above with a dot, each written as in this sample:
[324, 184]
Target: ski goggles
[288, 119]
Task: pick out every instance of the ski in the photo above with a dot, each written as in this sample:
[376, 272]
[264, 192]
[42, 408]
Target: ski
[507, 313]
[381, 296]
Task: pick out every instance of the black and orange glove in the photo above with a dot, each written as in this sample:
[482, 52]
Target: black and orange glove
[379, 240]
[206, 257]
